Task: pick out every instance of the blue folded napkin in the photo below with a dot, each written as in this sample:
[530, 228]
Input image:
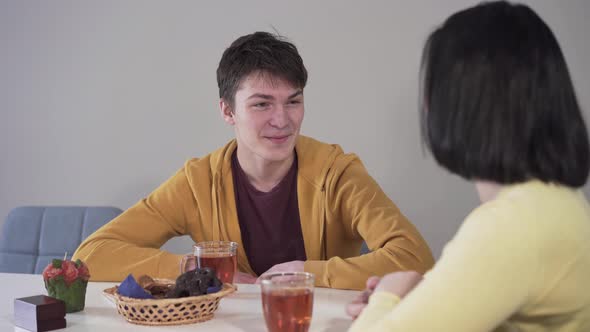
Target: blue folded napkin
[130, 288]
[213, 289]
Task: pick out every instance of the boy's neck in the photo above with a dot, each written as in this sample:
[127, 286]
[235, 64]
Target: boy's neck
[263, 174]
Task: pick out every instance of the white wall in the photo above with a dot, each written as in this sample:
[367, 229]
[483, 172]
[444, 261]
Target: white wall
[100, 101]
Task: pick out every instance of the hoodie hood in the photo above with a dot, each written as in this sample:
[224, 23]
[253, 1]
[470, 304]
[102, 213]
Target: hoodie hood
[315, 160]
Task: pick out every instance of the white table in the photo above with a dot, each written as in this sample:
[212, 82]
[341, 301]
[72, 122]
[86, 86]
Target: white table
[240, 311]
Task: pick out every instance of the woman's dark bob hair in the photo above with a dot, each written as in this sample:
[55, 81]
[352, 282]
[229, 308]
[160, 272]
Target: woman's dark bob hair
[498, 102]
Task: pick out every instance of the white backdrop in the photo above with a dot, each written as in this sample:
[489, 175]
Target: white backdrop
[101, 101]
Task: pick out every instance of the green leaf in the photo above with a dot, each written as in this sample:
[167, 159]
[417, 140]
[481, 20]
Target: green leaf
[78, 263]
[56, 263]
[73, 295]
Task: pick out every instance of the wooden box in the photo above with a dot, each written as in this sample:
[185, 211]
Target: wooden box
[39, 313]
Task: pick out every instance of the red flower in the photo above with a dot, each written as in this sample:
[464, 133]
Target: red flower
[70, 271]
[51, 272]
[83, 272]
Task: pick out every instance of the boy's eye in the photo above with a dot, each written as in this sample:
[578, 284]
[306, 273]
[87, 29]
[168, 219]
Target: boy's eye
[261, 105]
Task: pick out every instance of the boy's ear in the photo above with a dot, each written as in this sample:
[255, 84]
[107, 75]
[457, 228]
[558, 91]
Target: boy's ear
[226, 112]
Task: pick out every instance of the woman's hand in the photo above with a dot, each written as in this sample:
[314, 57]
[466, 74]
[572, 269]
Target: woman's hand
[399, 283]
[354, 308]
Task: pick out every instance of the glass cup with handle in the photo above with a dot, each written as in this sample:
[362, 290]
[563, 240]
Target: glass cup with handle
[218, 255]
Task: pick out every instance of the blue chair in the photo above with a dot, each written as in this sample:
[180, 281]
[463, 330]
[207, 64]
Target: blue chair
[32, 236]
[365, 249]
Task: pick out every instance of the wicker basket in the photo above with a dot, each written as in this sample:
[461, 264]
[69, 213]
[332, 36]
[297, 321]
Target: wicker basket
[184, 310]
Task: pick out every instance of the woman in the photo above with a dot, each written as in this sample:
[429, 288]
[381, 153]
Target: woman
[499, 110]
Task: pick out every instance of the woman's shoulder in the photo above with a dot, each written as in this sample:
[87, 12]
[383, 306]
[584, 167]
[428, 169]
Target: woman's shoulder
[536, 212]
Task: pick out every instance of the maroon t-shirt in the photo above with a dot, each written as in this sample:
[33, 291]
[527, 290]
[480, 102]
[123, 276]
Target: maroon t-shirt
[269, 221]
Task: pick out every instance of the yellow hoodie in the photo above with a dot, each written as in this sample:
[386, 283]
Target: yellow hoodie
[340, 205]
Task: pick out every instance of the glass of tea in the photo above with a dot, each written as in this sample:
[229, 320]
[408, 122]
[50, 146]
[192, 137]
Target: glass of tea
[287, 301]
[218, 255]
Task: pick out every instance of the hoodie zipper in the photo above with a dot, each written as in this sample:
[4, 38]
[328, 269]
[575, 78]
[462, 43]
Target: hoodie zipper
[323, 253]
[216, 227]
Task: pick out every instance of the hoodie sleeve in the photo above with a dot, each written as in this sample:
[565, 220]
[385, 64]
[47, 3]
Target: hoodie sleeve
[356, 200]
[131, 242]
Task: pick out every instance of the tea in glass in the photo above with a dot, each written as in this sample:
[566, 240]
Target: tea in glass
[218, 255]
[287, 301]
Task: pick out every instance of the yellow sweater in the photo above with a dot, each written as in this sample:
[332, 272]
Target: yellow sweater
[339, 206]
[518, 263]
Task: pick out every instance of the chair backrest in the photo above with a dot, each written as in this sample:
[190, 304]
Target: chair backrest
[34, 235]
[365, 249]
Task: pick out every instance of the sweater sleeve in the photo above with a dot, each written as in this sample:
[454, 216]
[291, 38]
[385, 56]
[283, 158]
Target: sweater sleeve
[131, 242]
[380, 304]
[396, 245]
[484, 275]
